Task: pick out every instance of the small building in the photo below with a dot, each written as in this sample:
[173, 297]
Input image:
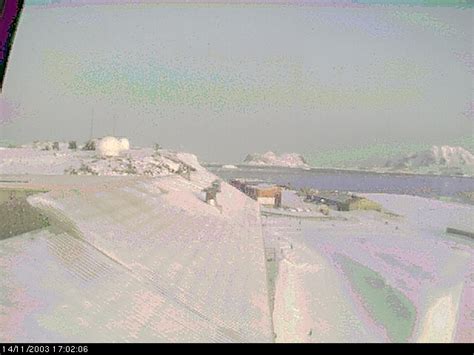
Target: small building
[240, 184]
[268, 195]
[342, 201]
[264, 194]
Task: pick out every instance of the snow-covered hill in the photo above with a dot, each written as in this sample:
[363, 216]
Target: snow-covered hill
[34, 159]
[438, 159]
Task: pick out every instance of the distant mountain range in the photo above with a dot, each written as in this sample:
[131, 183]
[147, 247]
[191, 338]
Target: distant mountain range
[438, 155]
[289, 160]
[439, 160]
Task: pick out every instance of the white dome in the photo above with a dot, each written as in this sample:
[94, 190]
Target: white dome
[109, 146]
[124, 144]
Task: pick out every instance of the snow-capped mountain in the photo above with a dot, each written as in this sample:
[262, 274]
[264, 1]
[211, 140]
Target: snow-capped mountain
[445, 158]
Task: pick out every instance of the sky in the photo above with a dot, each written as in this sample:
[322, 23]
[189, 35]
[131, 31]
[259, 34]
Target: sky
[332, 82]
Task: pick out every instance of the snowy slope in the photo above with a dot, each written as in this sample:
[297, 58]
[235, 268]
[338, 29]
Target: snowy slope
[137, 259]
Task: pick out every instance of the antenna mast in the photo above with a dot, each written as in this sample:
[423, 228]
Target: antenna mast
[92, 124]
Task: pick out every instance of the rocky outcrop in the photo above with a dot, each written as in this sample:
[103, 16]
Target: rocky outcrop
[289, 160]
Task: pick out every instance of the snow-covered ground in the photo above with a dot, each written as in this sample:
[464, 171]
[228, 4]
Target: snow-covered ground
[35, 161]
[139, 256]
[134, 259]
[375, 277]
[141, 161]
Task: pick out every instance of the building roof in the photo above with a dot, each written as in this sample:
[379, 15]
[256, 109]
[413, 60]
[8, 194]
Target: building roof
[339, 197]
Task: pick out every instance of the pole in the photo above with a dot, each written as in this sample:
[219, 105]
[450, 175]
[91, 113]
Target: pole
[92, 124]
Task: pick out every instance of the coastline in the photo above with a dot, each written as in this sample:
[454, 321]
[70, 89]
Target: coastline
[213, 166]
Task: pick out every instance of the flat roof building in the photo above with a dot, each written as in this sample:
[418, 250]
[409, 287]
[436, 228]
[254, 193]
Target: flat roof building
[342, 201]
[264, 194]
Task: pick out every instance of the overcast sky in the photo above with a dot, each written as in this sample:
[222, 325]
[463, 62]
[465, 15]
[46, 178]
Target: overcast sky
[222, 81]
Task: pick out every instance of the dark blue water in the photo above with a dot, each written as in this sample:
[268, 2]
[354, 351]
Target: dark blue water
[365, 182]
